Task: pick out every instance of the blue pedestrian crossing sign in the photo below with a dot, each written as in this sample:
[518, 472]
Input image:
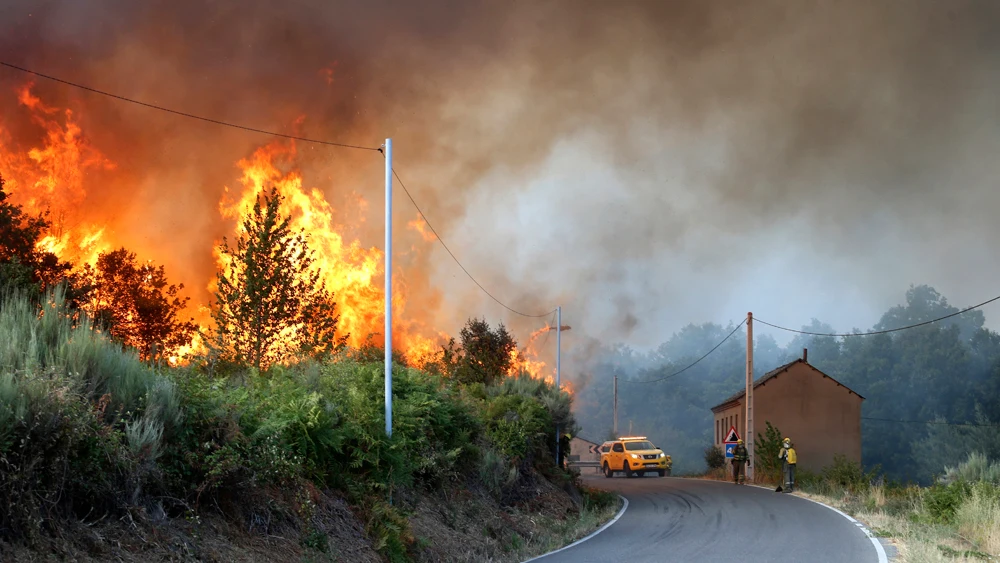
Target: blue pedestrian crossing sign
[729, 450]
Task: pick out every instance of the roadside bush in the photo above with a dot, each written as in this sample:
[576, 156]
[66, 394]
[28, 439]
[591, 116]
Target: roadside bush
[849, 475]
[714, 457]
[978, 516]
[976, 468]
[497, 473]
[82, 421]
[768, 466]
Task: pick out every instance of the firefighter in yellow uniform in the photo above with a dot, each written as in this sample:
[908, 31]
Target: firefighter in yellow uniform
[790, 461]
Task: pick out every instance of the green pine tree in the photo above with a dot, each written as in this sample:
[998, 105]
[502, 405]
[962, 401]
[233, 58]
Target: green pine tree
[271, 304]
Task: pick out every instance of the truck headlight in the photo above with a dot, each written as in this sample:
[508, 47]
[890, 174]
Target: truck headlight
[634, 456]
[663, 454]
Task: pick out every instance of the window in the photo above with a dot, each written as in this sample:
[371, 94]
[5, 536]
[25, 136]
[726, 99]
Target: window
[717, 431]
[618, 447]
[636, 446]
[605, 448]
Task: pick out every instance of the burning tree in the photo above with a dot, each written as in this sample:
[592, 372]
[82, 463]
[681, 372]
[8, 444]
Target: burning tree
[136, 305]
[270, 303]
[22, 264]
[485, 356]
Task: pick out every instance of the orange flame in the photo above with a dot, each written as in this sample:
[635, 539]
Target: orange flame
[51, 178]
[52, 173]
[353, 273]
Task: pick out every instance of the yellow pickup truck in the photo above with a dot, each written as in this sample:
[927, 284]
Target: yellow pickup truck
[633, 455]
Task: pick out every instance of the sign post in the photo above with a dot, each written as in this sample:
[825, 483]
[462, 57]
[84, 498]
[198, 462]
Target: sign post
[731, 437]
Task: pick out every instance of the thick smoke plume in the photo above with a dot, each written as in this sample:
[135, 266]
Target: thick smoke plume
[644, 164]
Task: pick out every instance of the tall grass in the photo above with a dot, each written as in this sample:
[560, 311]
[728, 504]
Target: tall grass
[66, 348]
[81, 419]
[978, 517]
[976, 468]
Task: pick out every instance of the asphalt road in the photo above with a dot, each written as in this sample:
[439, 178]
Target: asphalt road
[672, 519]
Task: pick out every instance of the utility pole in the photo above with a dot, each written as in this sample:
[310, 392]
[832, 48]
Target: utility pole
[748, 433]
[558, 359]
[388, 287]
[616, 406]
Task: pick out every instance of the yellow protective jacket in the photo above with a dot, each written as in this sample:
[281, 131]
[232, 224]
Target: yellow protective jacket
[791, 456]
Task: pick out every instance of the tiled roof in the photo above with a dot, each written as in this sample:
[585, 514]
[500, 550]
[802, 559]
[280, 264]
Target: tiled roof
[774, 373]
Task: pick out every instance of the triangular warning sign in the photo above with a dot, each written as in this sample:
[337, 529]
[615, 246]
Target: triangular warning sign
[732, 436]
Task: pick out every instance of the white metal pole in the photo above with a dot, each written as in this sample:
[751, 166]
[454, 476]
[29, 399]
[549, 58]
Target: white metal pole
[388, 287]
[615, 425]
[558, 359]
[748, 440]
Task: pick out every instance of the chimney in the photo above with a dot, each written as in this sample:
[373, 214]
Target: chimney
[805, 355]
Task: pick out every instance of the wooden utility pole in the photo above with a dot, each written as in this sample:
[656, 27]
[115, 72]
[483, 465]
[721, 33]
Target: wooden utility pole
[748, 432]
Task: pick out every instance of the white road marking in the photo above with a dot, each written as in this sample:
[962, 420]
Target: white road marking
[581, 540]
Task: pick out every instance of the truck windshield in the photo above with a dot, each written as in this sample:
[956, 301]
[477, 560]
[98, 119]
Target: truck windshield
[633, 446]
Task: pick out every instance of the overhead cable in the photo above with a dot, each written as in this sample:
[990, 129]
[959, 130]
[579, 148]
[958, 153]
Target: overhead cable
[878, 331]
[185, 114]
[942, 422]
[676, 373]
[455, 258]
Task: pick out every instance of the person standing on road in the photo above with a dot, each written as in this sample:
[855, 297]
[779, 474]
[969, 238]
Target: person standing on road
[790, 461]
[783, 456]
[741, 458]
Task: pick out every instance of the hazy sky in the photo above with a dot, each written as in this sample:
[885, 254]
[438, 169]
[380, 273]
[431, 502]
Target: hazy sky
[645, 164]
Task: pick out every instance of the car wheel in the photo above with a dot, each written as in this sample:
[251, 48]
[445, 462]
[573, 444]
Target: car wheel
[607, 471]
[628, 472]
[662, 472]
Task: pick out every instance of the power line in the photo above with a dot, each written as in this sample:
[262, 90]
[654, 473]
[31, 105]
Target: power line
[453, 257]
[879, 331]
[969, 424]
[276, 134]
[676, 373]
[184, 114]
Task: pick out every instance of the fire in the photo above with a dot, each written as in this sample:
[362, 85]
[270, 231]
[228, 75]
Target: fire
[52, 174]
[526, 361]
[354, 273]
[51, 178]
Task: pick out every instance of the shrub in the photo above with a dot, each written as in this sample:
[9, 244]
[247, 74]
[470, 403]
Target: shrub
[497, 473]
[766, 454]
[976, 468]
[714, 457]
[978, 516]
[942, 501]
[849, 475]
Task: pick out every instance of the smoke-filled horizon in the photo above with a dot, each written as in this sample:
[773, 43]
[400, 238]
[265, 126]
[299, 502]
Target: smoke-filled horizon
[645, 165]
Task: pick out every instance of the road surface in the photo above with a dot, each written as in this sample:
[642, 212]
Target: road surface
[690, 520]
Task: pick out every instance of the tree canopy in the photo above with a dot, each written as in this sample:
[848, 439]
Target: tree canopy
[271, 303]
[136, 305]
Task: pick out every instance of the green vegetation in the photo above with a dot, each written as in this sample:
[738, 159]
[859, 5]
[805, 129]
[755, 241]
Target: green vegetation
[271, 305]
[715, 458]
[88, 426]
[136, 305]
[957, 518]
[84, 423]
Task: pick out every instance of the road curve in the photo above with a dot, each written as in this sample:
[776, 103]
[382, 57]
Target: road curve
[691, 520]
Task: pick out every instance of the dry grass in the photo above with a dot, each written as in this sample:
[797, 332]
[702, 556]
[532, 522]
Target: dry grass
[973, 538]
[978, 519]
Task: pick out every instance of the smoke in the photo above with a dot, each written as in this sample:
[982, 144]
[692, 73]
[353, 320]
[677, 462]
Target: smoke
[645, 165]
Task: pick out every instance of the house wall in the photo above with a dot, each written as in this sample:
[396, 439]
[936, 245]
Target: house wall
[579, 450]
[731, 416]
[821, 417]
